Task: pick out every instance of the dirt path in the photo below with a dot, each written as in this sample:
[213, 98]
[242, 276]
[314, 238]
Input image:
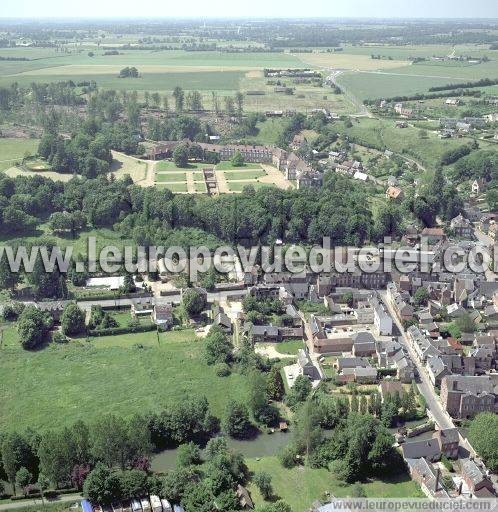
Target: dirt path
[270, 351]
[190, 183]
[274, 176]
[150, 175]
[223, 187]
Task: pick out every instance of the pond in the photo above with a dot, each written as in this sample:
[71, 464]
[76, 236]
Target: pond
[262, 446]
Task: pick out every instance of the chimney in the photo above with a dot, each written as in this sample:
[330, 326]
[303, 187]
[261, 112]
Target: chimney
[438, 476]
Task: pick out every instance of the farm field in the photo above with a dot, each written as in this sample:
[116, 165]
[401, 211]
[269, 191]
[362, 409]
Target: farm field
[219, 80]
[417, 78]
[300, 486]
[13, 151]
[160, 70]
[348, 61]
[122, 374]
[427, 50]
[166, 58]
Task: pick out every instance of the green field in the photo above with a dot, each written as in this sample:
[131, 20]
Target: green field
[301, 486]
[289, 347]
[228, 166]
[13, 151]
[167, 165]
[200, 187]
[122, 374]
[160, 70]
[166, 81]
[171, 176]
[417, 78]
[244, 175]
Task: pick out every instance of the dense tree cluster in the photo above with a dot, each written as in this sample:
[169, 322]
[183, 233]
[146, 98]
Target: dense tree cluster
[108, 458]
[452, 155]
[87, 152]
[360, 447]
[482, 164]
[177, 128]
[338, 210]
[483, 434]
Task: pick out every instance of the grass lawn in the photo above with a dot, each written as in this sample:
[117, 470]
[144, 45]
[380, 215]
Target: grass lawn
[123, 164]
[13, 150]
[268, 131]
[289, 347]
[200, 187]
[328, 366]
[228, 166]
[175, 187]
[170, 176]
[168, 165]
[237, 186]
[122, 374]
[244, 175]
[300, 486]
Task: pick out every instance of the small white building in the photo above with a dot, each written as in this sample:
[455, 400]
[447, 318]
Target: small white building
[382, 320]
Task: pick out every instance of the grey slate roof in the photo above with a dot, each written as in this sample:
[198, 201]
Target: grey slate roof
[428, 448]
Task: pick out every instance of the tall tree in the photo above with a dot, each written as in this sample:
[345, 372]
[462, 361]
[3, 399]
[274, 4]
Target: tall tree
[275, 384]
[8, 278]
[179, 97]
[16, 453]
[73, 320]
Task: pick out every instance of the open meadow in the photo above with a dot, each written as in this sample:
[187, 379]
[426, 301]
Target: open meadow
[301, 486]
[122, 374]
[12, 151]
[383, 134]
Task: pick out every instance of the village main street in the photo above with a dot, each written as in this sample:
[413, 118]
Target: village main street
[425, 386]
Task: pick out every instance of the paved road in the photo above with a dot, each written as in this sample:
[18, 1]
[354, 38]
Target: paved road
[424, 384]
[64, 498]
